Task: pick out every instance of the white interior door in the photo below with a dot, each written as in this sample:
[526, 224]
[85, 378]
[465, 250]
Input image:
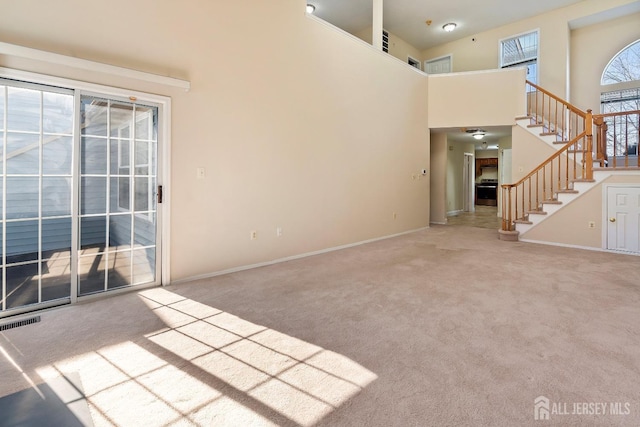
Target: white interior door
[468, 183]
[438, 65]
[623, 219]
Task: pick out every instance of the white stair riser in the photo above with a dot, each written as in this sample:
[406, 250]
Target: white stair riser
[550, 209]
[523, 228]
[567, 197]
[537, 130]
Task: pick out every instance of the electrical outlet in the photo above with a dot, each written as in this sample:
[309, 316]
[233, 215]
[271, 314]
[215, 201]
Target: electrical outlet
[279, 231]
[200, 173]
[592, 224]
[254, 235]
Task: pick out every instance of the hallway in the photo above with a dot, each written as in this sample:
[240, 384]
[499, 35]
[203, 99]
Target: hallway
[483, 217]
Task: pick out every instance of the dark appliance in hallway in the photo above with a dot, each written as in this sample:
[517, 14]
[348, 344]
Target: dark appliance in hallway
[487, 192]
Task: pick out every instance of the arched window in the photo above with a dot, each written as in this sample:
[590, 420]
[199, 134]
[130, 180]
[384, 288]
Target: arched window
[624, 67]
[620, 93]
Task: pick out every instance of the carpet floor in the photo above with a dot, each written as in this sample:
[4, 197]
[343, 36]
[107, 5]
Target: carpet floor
[443, 327]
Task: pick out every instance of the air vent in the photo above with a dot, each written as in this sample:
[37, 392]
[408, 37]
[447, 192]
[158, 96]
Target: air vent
[385, 41]
[19, 323]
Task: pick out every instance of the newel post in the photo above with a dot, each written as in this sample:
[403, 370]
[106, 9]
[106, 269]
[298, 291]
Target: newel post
[589, 149]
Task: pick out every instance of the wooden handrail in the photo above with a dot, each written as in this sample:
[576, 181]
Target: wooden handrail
[574, 160]
[548, 160]
[554, 115]
[617, 113]
[542, 184]
[557, 98]
[616, 135]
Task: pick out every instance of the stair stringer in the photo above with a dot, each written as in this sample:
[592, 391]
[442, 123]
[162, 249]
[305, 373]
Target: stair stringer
[549, 208]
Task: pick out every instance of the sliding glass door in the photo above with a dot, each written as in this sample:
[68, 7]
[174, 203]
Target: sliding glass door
[117, 194]
[78, 195]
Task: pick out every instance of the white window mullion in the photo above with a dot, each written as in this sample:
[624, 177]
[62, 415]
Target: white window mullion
[76, 179]
[107, 205]
[40, 194]
[132, 188]
[4, 201]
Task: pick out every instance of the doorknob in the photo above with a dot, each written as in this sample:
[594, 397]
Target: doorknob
[612, 219]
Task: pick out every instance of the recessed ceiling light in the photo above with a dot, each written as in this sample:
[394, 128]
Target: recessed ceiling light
[449, 27]
[310, 8]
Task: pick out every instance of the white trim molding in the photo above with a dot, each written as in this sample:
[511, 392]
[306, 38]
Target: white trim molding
[85, 64]
[291, 258]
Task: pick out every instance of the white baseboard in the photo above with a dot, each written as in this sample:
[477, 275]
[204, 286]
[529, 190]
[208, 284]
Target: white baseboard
[290, 258]
[586, 248]
[451, 213]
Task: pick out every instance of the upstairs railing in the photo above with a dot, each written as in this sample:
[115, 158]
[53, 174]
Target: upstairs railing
[617, 136]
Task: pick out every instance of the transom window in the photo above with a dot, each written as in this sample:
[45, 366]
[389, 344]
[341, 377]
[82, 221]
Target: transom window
[521, 51]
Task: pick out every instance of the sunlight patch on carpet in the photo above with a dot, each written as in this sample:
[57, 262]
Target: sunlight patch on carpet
[210, 367]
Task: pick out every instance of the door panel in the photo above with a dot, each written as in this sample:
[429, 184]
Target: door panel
[438, 66]
[623, 219]
[36, 195]
[112, 176]
[117, 194]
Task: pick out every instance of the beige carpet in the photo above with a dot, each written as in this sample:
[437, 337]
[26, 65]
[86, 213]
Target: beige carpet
[447, 326]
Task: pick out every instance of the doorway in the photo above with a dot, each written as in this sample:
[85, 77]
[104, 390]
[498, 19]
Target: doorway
[623, 218]
[78, 195]
[439, 65]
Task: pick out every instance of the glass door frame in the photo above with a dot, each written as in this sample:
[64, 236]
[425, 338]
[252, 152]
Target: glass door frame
[163, 103]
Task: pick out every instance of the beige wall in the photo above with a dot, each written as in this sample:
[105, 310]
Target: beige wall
[438, 173]
[291, 131]
[592, 48]
[528, 152]
[483, 53]
[491, 98]
[397, 47]
[570, 225]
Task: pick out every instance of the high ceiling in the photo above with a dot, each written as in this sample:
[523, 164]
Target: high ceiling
[406, 18]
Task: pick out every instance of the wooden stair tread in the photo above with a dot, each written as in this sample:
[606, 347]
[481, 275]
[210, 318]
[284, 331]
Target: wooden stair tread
[561, 142]
[537, 125]
[568, 191]
[524, 117]
[583, 180]
[549, 134]
[552, 202]
[522, 221]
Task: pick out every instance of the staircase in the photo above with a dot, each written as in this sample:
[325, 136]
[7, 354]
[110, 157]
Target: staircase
[576, 166]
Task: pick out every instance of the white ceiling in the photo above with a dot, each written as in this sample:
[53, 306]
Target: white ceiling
[493, 134]
[406, 18]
